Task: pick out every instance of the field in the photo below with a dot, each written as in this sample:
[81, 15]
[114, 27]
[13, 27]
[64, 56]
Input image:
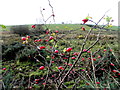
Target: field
[96, 68]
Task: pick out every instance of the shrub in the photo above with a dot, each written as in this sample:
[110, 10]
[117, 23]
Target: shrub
[38, 30]
[74, 65]
[7, 79]
[9, 51]
[21, 30]
[26, 54]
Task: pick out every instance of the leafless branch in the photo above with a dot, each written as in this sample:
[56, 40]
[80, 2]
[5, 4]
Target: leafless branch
[52, 10]
[81, 51]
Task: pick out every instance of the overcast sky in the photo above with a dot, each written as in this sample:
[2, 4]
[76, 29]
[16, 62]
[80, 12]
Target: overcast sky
[16, 12]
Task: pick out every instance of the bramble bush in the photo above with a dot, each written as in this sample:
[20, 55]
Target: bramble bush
[60, 64]
[37, 29]
[23, 30]
[20, 29]
[9, 52]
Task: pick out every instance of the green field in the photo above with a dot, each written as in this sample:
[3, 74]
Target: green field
[65, 26]
[22, 67]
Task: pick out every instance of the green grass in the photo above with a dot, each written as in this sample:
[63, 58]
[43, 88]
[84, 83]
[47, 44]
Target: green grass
[69, 34]
[65, 27]
[72, 27]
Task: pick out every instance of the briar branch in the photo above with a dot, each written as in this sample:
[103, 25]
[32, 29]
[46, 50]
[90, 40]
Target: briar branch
[81, 51]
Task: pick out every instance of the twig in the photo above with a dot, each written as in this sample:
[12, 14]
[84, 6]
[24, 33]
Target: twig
[52, 9]
[113, 54]
[79, 54]
[61, 73]
[93, 67]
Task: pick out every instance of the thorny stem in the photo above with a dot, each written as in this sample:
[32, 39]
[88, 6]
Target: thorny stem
[112, 78]
[79, 54]
[52, 10]
[42, 15]
[93, 67]
[64, 69]
[98, 36]
[47, 76]
[114, 55]
[83, 78]
[41, 56]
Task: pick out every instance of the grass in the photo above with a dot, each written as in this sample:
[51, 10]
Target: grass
[70, 35]
[64, 27]
[72, 27]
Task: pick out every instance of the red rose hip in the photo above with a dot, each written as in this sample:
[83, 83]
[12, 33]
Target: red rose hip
[56, 51]
[83, 28]
[73, 58]
[51, 37]
[85, 20]
[68, 49]
[23, 38]
[4, 69]
[42, 67]
[33, 26]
